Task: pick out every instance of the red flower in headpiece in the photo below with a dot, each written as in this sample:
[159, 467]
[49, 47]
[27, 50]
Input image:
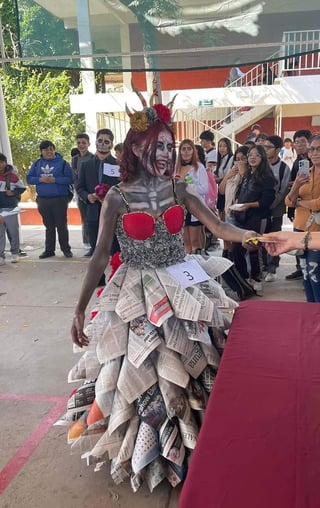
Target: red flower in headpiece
[101, 190]
[164, 113]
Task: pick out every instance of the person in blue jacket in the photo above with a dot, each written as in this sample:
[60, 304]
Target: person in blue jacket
[52, 176]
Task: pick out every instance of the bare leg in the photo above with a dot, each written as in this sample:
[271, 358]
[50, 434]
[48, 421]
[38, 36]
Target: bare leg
[187, 239]
[196, 237]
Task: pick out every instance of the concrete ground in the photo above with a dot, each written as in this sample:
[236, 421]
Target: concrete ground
[37, 299]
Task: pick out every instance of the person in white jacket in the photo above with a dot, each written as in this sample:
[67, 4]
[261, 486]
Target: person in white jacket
[193, 172]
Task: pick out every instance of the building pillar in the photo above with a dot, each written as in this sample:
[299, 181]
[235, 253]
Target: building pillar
[87, 77]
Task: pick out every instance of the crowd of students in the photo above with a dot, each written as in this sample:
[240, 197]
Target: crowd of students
[266, 178]
[251, 188]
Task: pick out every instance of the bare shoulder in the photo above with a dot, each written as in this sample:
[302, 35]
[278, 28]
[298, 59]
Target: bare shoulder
[113, 197]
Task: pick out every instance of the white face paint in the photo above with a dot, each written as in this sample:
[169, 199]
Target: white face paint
[103, 143]
[186, 152]
[164, 153]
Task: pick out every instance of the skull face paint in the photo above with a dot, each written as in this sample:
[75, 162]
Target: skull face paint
[103, 143]
[160, 162]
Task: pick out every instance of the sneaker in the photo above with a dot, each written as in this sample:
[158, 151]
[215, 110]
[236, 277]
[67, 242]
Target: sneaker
[295, 275]
[88, 254]
[256, 284]
[14, 258]
[68, 254]
[2, 261]
[270, 277]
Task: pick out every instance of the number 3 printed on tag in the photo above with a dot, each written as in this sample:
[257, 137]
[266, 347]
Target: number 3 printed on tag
[187, 273]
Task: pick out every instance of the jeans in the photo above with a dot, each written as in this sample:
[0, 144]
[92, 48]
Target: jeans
[239, 252]
[310, 264]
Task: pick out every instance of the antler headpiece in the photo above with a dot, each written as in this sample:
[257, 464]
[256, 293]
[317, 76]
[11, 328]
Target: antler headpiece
[140, 120]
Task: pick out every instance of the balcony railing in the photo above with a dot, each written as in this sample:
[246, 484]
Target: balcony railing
[281, 64]
[190, 124]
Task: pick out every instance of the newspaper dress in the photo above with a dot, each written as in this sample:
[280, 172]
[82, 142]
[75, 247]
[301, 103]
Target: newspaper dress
[155, 348]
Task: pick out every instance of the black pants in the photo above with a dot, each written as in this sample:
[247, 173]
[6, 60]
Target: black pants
[93, 229]
[54, 216]
[83, 214]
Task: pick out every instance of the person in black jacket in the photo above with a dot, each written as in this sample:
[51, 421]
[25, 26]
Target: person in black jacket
[255, 195]
[80, 155]
[103, 168]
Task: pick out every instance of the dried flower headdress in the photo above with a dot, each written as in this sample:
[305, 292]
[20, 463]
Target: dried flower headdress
[140, 120]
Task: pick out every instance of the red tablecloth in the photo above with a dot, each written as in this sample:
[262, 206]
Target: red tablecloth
[259, 446]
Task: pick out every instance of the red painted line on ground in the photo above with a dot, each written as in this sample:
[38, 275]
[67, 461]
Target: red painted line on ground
[32, 397]
[16, 463]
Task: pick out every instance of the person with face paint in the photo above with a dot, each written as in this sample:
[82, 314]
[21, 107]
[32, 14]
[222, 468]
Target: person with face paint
[159, 326]
[103, 168]
[192, 171]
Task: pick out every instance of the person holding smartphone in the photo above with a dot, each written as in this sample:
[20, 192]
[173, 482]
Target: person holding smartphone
[304, 196]
[301, 143]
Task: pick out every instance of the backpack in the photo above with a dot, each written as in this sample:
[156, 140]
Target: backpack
[212, 195]
[238, 284]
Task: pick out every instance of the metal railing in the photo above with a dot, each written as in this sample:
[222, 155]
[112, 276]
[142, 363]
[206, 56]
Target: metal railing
[190, 124]
[304, 41]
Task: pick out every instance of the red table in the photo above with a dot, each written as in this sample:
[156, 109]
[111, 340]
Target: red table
[259, 446]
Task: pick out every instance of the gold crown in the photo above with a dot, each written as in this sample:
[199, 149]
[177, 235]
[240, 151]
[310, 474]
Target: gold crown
[155, 112]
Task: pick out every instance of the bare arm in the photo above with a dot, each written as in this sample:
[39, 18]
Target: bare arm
[109, 213]
[288, 240]
[294, 192]
[200, 210]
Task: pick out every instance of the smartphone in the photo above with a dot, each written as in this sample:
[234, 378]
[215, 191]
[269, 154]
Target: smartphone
[304, 167]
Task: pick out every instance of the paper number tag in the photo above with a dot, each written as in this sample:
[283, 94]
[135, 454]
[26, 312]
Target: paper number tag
[111, 170]
[187, 273]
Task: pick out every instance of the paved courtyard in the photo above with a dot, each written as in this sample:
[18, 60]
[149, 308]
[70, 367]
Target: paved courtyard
[37, 299]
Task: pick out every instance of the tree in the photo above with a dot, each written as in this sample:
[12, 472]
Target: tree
[38, 108]
[37, 101]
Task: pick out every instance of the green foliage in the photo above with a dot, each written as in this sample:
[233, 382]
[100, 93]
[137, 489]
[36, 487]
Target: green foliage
[41, 33]
[37, 107]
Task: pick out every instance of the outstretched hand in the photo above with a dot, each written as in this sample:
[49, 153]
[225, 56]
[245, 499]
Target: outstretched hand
[282, 241]
[77, 333]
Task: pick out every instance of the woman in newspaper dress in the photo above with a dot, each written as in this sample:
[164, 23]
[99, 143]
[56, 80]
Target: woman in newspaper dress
[153, 347]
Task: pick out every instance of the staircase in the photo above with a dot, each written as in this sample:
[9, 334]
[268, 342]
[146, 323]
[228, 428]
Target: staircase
[227, 122]
[243, 120]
